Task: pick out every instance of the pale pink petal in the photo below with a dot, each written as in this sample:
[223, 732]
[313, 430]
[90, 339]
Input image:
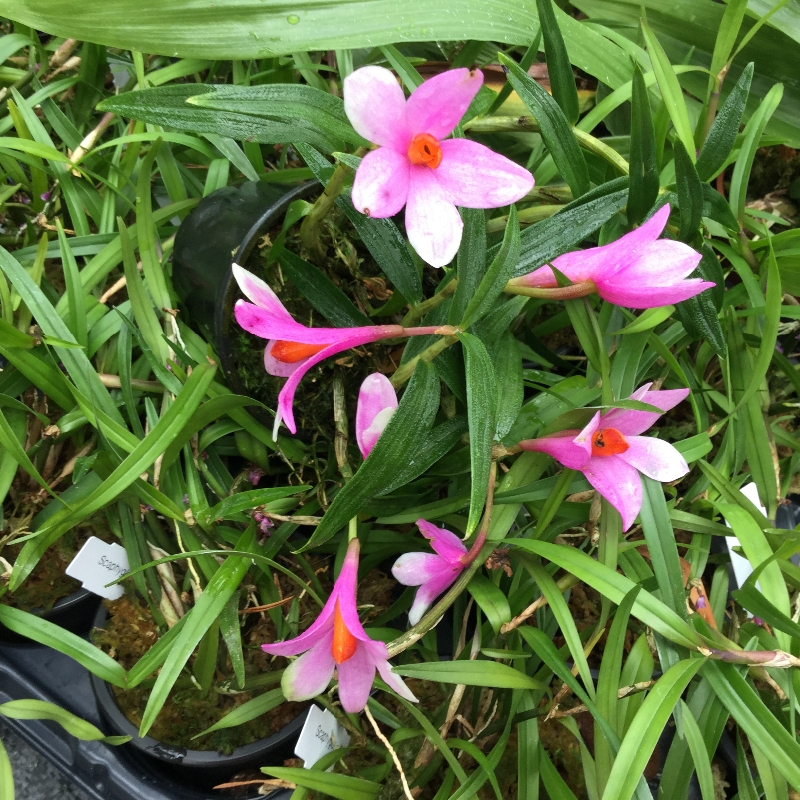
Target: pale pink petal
[436, 107]
[631, 296]
[433, 223]
[256, 290]
[619, 483]
[378, 653]
[561, 447]
[377, 401]
[445, 543]
[356, 676]
[413, 569]
[309, 675]
[473, 176]
[376, 107]
[430, 590]
[656, 458]
[659, 263]
[345, 591]
[380, 188]
[321, 626]
[632, 423]
[584, 438]
[279, 369]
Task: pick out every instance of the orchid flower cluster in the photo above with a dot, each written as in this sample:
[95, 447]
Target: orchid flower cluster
[417, 167]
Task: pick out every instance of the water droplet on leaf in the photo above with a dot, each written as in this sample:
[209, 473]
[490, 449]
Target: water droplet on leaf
[293, 19]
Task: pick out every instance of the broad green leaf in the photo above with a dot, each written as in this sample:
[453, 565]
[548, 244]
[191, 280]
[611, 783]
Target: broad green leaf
[690, 193]
[554, 127]
[482, 414]
[321, 292]
[197, 621]
[671, 91]
[398, 444]
[41, 709]
[722, 135]
[491, 600]
[644, 178]
[262, 704]
[76, 647]
[642, 736]
[470, 673]
[559, 69]
[342, 787]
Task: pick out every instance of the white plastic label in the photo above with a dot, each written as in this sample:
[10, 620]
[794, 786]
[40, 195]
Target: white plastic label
[321, 734]
[98, 563]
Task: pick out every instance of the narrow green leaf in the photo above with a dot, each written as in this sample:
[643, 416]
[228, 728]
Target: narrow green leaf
[482, 414]
[700, 754]
[244, 501]
[510, 382]
[559, 69]
[75, 296]
[248, 711]
[471, 261]
[554, 127]
[470, 673]
[72, 724]
[644, 177]
[690, 193]
[6, 775]
[491, 600]
[342, 787]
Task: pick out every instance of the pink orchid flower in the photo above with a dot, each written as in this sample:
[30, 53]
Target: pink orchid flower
[432, 573]
[638, 270]
[293, 348]
[377, 402]
[610, 452]
[337, 641]
[414, 168]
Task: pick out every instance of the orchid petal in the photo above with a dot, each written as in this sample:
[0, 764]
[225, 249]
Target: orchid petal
[345, 591]
[380, 188]
[257, 290]
[584, 438]
[394, 682]
[413, 569]
[651, 296]
[377, 401]
[430, 590]
[438, 105]
[473, 176]
[321, 626]
[619, 483]
[356, 676]
[280, 369]
[658, 263]
[376, 107]
[433, 223]
[656, 458]
[445, 543]
[632, 423]
[309, 675]
[561, 447]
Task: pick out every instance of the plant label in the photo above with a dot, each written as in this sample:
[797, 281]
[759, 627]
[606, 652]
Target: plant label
[97, 564]
[321, 734]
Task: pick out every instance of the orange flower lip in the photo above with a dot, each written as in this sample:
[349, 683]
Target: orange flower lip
[425, 149]
[292, 352]
[344, 643]
[608, 442]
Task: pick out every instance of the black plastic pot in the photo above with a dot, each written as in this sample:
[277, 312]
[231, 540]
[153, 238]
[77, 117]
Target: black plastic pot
[230, 220]
[74, 613]
[199, 768]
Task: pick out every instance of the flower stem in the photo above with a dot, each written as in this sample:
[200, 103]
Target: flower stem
[352, 529]
[581, 289]
[420, 310]
[477, 545]
[309, 230]
[405, 372]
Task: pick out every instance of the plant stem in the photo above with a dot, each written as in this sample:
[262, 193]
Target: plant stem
[581, 289]
[352, 529]
[420, 310]
[405, 372]
[477, 546]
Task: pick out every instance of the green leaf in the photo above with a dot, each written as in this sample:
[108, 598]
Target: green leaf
[197, 621]
[555, 235]
[754, 601]
[482, 414]
[752, 138]
[716, 207]
[491, 600]
[722, 135]
[510, 383]
[648, 724]
[248, 711]
[470, 673]
[398, 444]
[6, 775]
[699, 314]
[51, 635]
[471, 261]
[321, 292]
[244, 501]
[690, 193]
[389, 249]
[700, 755]
[41, 709]
[643, 175]
[554, 127]
[647, 320]
[559, 69]
[342, 787]
[482, 299]
[671, 91]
